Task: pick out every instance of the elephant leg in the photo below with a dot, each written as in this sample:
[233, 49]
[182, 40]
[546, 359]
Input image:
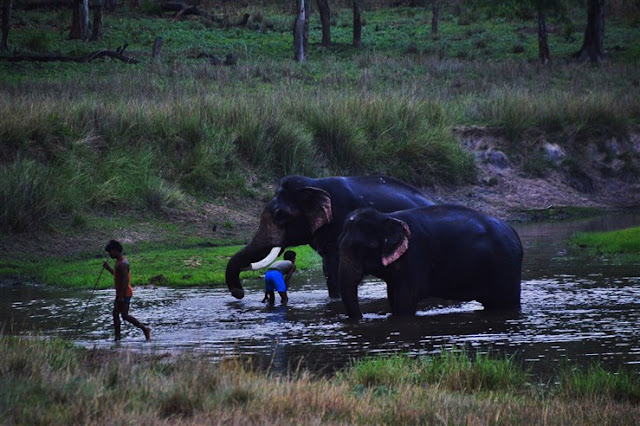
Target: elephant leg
[330, 262]
[403, 300]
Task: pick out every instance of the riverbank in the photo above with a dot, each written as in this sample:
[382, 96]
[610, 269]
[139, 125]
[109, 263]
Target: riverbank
[53, 382]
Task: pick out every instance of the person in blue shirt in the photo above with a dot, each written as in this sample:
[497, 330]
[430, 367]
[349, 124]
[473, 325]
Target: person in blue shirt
[277, 277]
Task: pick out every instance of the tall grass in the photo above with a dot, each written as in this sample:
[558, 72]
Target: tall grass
[152, 153]
[455, 370]
[596, 383]
[576, 117]
[52, 382]
[159, 134]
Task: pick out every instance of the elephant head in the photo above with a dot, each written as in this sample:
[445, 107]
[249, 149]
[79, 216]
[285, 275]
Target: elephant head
[291, 218]
[369, 242]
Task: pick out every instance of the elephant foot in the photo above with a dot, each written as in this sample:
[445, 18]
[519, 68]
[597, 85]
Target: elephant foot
[237, 293]
[334, 295]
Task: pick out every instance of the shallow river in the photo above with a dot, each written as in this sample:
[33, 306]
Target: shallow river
[573, 307]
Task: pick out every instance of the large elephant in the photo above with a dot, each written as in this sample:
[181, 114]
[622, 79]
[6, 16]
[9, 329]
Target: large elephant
[312, 211]
[446, 251]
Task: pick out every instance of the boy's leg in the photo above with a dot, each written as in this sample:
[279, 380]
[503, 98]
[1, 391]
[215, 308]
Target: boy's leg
[284, 297]
[272, 297]
[116, 318]
[125, 316]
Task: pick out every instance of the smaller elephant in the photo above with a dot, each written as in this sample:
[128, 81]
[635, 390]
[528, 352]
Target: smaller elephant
[446, 251]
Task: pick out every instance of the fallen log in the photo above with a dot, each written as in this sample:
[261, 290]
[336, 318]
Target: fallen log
[182, 8]
[116, 54]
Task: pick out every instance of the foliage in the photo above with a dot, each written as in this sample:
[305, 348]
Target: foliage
[52, 381]
[169, 133]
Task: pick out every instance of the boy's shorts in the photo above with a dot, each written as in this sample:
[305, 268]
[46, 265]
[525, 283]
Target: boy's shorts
[273, 280]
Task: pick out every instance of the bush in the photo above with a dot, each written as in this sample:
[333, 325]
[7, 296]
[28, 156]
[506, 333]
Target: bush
[28, 192]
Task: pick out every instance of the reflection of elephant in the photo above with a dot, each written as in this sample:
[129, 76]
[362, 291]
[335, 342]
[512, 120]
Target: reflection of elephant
[444, 251]
[312, 211]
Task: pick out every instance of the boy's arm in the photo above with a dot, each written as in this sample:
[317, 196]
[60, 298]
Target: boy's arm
[106, 266]
[289, 274]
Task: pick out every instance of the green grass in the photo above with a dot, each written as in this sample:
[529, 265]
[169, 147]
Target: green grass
[169, 134]
[198, 264]
[624, 243]
[456, 371]
[54, 382]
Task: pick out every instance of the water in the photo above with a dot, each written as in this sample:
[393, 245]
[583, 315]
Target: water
[573, 307]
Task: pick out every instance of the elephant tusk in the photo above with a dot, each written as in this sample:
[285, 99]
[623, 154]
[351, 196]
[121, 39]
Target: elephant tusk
[267, 260]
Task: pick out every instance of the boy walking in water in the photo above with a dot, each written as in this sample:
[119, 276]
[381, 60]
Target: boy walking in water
[122, 280]
[277, 277]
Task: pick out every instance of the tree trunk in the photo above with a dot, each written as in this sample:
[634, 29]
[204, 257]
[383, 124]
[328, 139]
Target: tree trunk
[75, 32]
[543, 44]
[325, 20]
[593, 33]
[97, 21]
[6, 24]
[84, 19]
[110, 5]
[157, 48]
[357, 23]
[307, 18]
[298, 32]
[133, 4]
[435, 18]
[80, 20]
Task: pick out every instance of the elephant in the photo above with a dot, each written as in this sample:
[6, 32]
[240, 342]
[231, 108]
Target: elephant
[447, 251]
[311, 211]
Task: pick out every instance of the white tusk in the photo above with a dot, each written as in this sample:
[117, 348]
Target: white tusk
[267, 260]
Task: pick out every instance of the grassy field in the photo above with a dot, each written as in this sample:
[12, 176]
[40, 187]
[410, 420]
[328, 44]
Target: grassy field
[53, 382]
[192, 264]
[169, 134]
[623, 244]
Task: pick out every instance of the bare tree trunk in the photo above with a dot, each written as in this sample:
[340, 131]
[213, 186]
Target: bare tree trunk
[84, 19]
[298, 32]
[97, 21]
[157, 48]
[325, 20]
[75, 32]
[594, 33]
[307, 18]
[543, 44]
[6, 24]
[357, 23]
[80, 20]
[435, 18]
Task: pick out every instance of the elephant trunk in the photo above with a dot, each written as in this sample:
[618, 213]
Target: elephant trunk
[349, 277]
[260, 252]
[242, 261]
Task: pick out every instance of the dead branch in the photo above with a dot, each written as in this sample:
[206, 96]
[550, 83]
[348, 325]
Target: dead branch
[104, 53]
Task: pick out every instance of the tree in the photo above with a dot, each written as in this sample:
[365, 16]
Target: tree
[357, 23]
[298, 32]
[543, 44]
[325, 20]
[435, 17]
[594, 33]
[96, 35]
[6, 24]
[80, 20]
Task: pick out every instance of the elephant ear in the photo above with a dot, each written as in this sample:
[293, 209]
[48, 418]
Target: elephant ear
[316, 204]
[396, 240]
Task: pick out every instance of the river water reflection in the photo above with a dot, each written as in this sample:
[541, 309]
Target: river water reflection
[573, 307]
